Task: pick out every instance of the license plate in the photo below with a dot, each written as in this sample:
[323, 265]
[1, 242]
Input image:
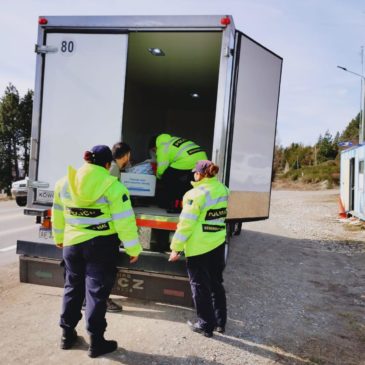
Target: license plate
[45, 233]
[44, 196]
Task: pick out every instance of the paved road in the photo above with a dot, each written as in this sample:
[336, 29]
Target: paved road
[14, 225]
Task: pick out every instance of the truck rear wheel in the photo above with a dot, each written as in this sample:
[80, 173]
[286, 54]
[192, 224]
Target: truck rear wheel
[21, 201]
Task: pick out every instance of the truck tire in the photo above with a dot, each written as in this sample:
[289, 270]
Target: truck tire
[21, 201]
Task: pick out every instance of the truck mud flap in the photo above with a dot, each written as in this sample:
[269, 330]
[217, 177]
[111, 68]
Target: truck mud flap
[169, 285]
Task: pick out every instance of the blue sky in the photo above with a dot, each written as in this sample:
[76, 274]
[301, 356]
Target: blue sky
[313, 37]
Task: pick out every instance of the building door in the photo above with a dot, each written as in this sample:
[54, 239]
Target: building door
[352, 184]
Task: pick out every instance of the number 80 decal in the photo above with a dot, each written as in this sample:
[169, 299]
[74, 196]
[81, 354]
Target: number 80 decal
[67, 47]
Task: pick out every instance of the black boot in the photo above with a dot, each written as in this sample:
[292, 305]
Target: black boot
[68, 339]
[195, 327]
[100, 346]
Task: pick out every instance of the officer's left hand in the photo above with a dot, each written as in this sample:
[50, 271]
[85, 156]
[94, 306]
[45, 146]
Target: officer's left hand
[174, 256]
[133, 259]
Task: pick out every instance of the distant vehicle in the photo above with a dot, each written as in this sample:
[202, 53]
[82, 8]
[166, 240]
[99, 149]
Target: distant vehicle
[19, 192]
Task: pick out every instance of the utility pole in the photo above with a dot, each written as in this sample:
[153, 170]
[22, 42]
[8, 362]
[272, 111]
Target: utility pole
[362, 96]
[362, 101]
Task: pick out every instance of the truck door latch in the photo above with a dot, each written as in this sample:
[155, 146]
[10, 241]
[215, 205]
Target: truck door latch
[40, 49]
[228, 52]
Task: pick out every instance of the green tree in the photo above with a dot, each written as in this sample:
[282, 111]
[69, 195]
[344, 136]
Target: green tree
[335, 143]
[25, 124]
[325, 147]
[336, 139]
[9, 116]
[15, 126]
[279, 161]
[298, 155]
[351, 132]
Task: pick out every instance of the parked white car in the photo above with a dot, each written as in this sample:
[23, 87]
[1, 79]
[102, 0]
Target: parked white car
[19, 192]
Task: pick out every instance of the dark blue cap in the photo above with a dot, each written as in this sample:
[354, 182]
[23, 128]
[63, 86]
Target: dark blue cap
[101, 154]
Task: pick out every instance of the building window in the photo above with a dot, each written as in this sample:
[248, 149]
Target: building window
[361, 175]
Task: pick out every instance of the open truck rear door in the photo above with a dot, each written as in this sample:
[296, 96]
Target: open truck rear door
[252, 128]
[82, 96]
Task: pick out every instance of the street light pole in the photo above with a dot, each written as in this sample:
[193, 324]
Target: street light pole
[362, 119]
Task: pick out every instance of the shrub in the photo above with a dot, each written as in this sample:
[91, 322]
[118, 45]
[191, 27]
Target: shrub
[328, 171]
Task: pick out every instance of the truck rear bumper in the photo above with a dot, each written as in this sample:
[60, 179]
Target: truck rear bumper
[151, 278]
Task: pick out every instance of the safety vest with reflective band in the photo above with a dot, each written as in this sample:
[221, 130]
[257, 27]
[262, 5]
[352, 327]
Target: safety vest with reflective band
[89, 203]
[201, 226]
[179, 153]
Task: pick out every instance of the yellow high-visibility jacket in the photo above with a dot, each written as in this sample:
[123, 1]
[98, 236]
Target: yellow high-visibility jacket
[87, 203]
[179, 153]
[201, 226]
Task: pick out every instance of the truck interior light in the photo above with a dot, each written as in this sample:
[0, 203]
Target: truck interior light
[42, 21]
[195, 95]
[156, 51]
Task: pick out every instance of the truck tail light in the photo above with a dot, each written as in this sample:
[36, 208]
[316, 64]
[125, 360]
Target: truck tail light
[174, 293]
[42, 21]
[47, 224]
[225, 20]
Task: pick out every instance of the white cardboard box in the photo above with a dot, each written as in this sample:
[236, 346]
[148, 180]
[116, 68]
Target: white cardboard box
[139, 184]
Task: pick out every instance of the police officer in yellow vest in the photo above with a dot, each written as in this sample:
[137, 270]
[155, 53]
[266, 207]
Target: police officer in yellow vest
[175, 158]
[91, 214]
[201, 234]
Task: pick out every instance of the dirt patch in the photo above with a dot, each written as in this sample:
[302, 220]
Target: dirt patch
[296, 295]
[4, 197]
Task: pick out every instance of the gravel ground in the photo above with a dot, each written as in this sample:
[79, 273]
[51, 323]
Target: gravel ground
[296, 295]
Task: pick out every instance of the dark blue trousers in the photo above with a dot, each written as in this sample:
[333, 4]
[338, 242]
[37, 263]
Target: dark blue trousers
[175, 184]
[206, 281]
[90, 270]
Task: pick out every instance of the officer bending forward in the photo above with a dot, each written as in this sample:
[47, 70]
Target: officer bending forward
[201, 233]
[91, 214]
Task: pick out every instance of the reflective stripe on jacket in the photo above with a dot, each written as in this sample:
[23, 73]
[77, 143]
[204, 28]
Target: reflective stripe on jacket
[179, 153]
[89, 203]
[201, 226]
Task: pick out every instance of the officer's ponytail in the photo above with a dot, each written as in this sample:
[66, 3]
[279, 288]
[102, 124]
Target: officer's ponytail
[211, 170]
[88, 157]
[99, 155]
[206, 168]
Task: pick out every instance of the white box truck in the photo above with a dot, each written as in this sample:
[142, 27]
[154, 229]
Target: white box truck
[101, 79]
